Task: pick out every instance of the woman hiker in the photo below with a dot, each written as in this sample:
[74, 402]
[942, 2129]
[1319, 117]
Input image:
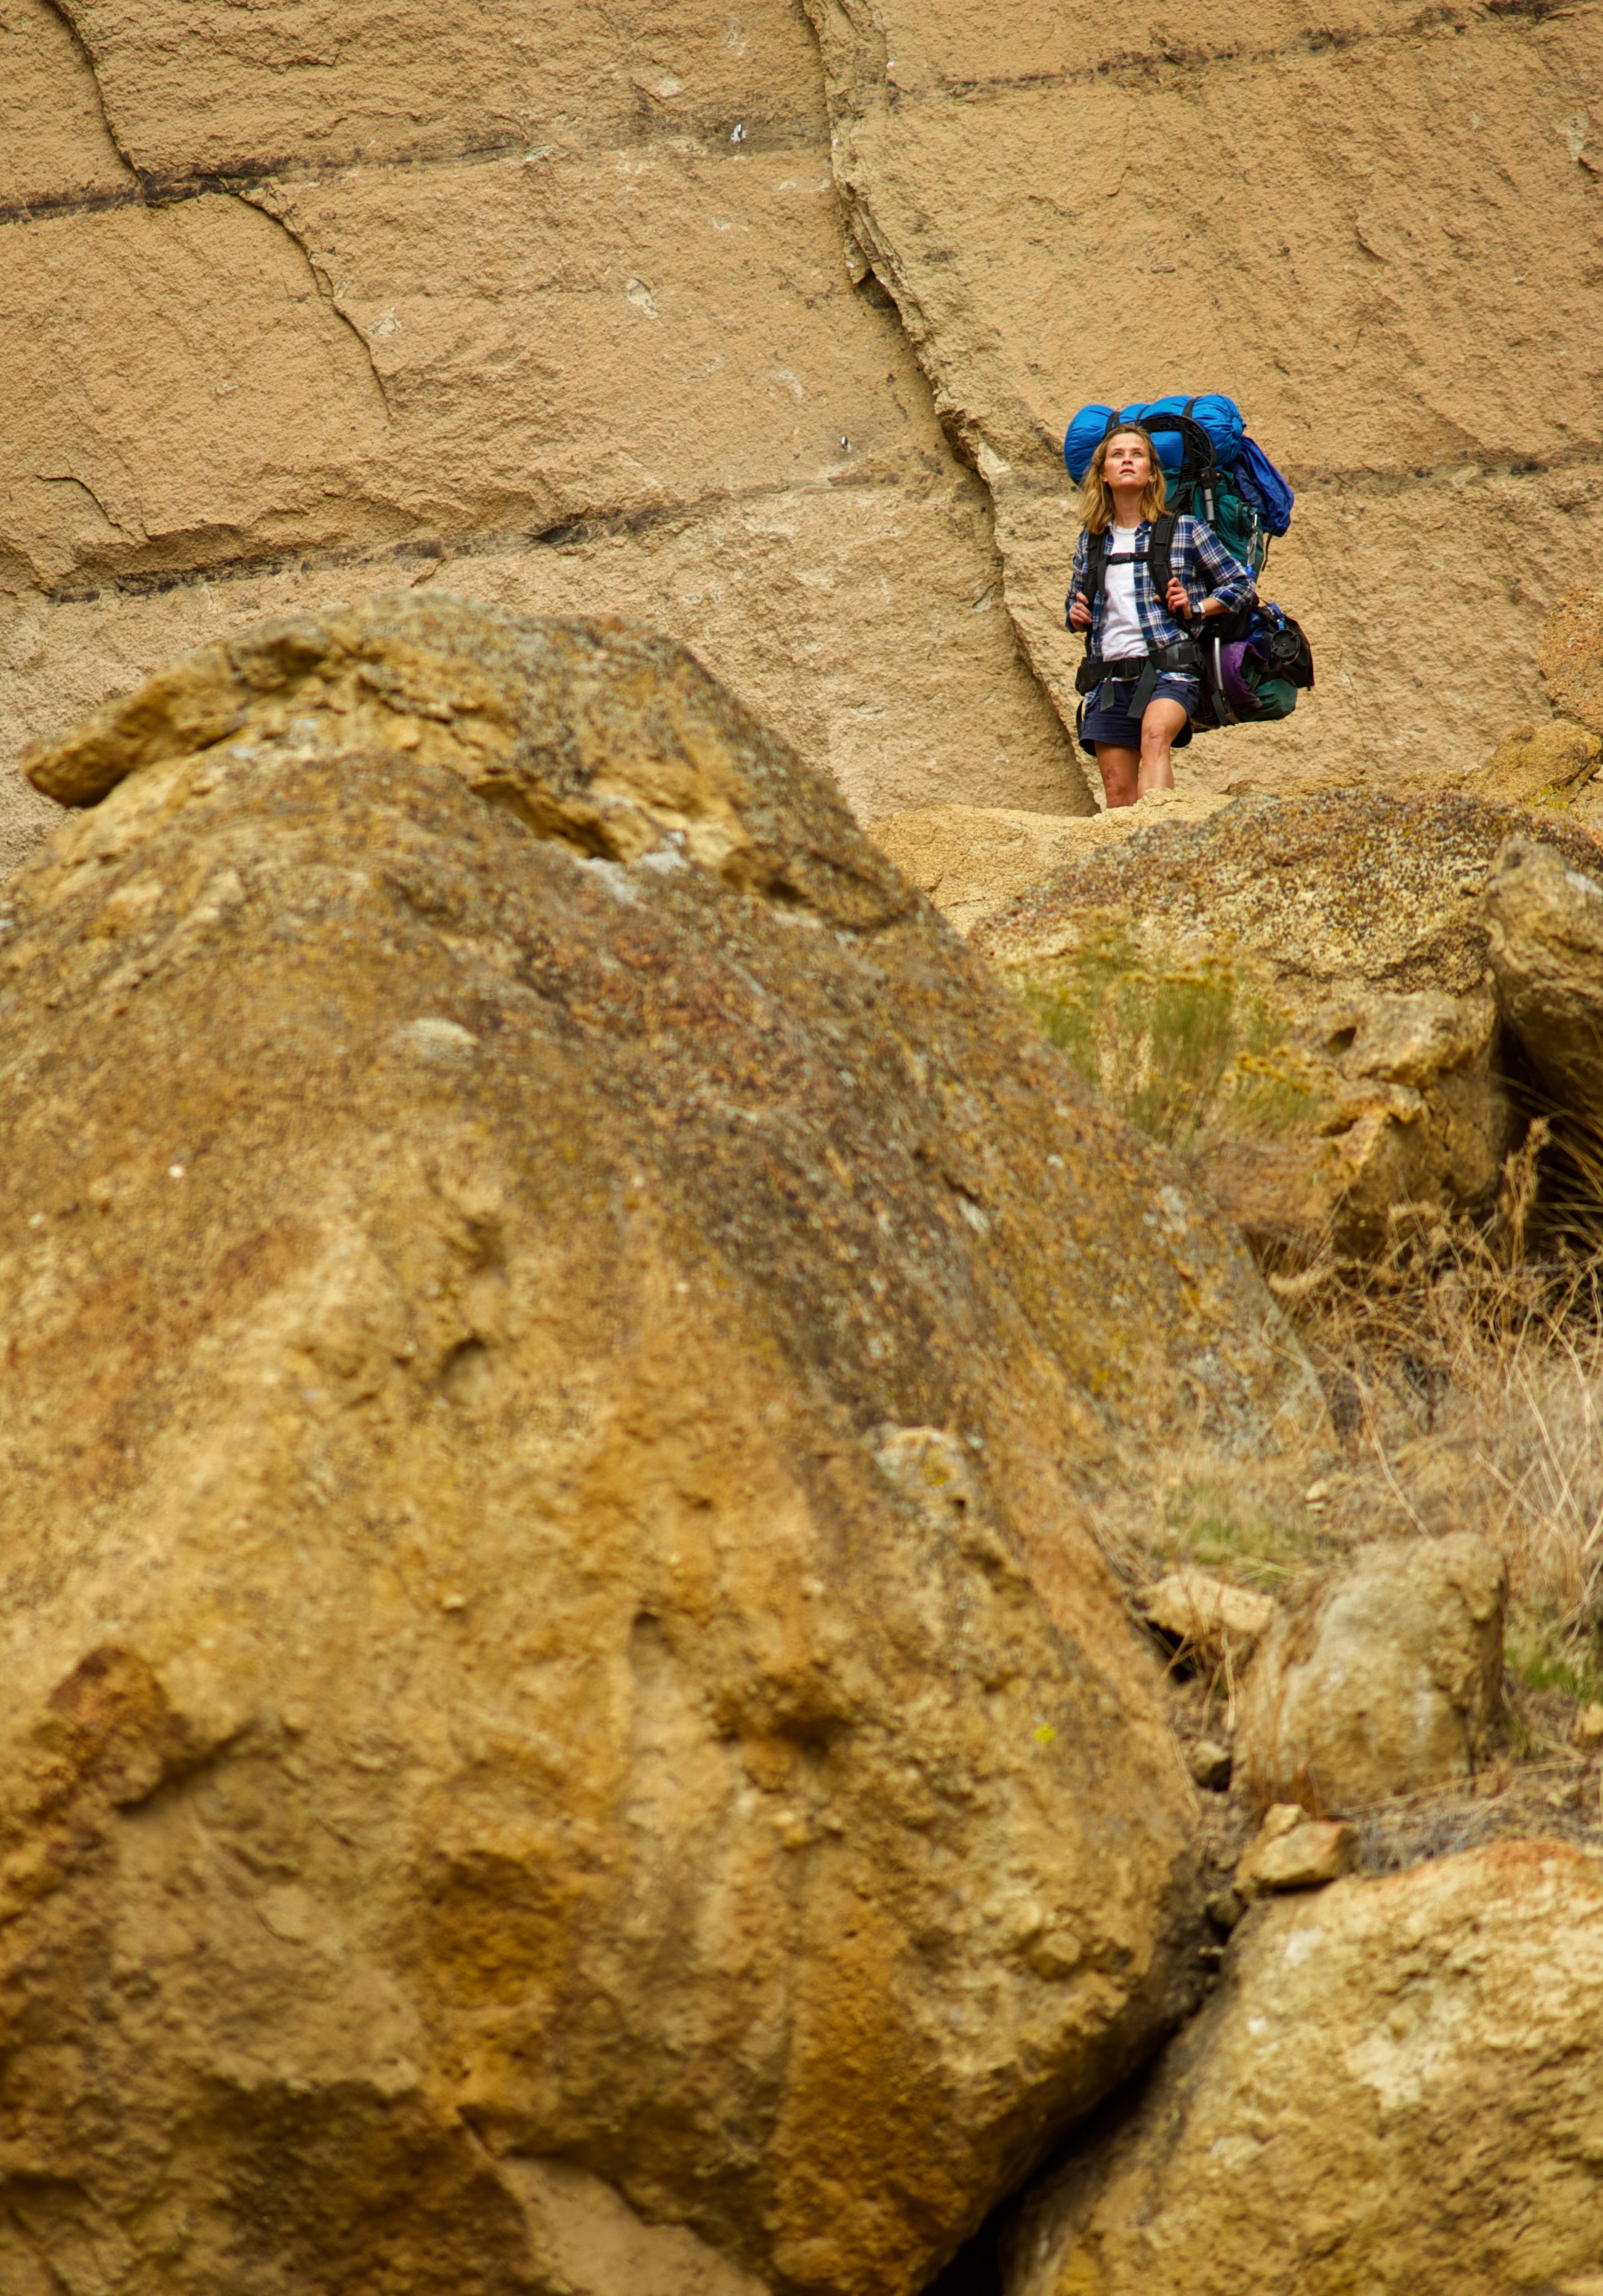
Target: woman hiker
[1140, 705]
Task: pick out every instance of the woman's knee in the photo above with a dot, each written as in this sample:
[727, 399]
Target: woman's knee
[1163, 722]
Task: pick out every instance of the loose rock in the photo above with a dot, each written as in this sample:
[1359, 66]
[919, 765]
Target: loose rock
[1295, 1851]
[1533, 762]
[1382, 1680]
[1394, 2089]
[1544, 920]
[1209, 1763]
[1206, 1614]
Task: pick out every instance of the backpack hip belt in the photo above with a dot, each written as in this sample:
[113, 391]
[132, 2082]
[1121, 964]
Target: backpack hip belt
[1183, 658]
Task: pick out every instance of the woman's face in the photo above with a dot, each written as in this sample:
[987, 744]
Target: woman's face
[1127, 462]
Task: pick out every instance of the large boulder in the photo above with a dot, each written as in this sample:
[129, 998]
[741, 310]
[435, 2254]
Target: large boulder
[1571, 657]
[559, 1335]
[1394, 2089]
[1544, 920]
[1383, 1680]
[1295, 991]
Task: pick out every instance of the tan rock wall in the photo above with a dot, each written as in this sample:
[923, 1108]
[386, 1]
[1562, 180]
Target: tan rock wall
[299, 303]
[1380, 231]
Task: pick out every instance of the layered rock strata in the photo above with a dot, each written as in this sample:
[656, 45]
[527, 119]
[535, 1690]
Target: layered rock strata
[303, 302]
[1350, 224]
[300, 305]
[560, 1333]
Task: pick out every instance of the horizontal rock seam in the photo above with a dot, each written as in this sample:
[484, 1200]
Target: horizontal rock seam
[422, 549]
[711, 138]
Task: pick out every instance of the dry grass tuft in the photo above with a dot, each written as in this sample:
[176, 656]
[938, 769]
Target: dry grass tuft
[1463, 1367]
[1177, 1043]
[1464, 1372]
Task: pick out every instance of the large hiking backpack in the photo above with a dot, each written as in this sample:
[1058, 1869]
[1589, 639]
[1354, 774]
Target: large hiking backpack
[1257, 659]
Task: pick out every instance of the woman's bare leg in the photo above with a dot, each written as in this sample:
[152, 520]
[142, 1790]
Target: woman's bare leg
[1121, 771]
[1161, 721]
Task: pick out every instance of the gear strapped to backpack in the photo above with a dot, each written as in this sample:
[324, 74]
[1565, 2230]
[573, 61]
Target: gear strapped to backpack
[1253, 660]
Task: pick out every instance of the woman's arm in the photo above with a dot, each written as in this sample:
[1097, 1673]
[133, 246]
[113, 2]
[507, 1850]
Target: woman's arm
[1232, 583]
[1076, 610]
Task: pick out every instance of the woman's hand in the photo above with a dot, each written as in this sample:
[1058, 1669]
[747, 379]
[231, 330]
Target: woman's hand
[1080, 614]
[1176, 597]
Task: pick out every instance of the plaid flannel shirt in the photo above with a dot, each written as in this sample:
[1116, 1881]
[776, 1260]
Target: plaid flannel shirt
[1200, 560]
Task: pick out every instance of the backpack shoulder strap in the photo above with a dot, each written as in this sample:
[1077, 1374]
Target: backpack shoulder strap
[1160, 544]
[1096, 548]
[1095, 573]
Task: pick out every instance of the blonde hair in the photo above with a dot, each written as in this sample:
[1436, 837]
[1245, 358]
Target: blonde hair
[1097, 495]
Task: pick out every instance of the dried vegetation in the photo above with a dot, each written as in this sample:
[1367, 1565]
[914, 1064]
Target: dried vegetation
[1463, 1369]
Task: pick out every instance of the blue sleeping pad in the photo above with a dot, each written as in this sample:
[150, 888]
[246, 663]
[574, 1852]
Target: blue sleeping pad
[1234, 455]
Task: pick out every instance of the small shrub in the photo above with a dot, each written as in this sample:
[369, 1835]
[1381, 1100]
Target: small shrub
[1175, 1044]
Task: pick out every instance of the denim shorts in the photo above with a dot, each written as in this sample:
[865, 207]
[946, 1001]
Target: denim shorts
[1107, 718]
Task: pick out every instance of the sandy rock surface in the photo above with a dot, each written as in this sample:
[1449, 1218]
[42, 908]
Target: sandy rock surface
[973, 860]
[308, 300]
[1384, 1680]
[1394, 2089]
[559, 1330]
[1054, 197]
[305, 303]
[1331, 950]
[1571, 657]
[1556, 760]
[1350, 887]
[1207, 1615]
[1544, 915]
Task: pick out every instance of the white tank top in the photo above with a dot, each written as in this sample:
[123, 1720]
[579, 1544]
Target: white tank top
[1122, 633]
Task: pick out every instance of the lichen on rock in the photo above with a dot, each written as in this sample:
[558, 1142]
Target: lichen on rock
[1295, 991]
[1393, 2090]
[561, 1334]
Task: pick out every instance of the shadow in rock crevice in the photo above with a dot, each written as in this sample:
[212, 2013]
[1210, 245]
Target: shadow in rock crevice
[980, 2267]
[977, 2269]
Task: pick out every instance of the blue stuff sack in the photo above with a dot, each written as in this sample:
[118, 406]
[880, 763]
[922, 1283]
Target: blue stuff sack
[1085, 434]
[1213, 412]
[1263, 487]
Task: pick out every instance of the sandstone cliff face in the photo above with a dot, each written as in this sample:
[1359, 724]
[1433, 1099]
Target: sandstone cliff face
[305, 301]
[1352, 219]
[558, 1330]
